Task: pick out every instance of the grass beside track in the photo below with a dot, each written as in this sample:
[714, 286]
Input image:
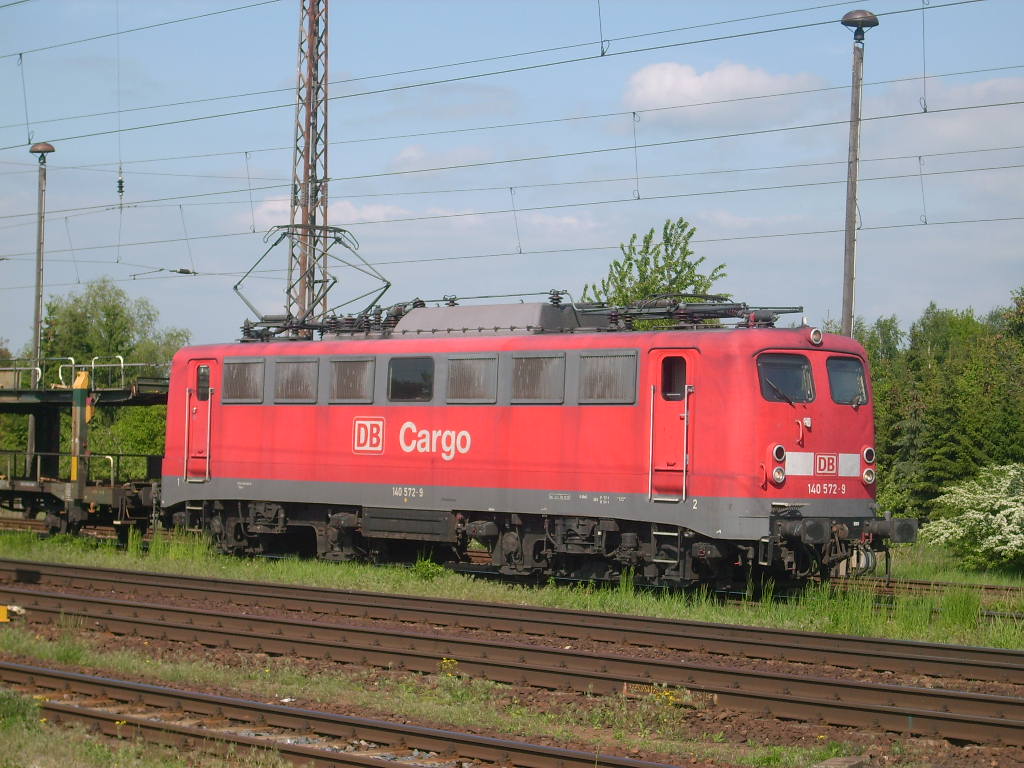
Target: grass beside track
[930, 562]
[955, 616]
[26, 739]
[653, 723]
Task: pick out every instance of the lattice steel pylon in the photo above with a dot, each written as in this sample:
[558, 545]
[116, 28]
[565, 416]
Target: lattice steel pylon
[308, 278]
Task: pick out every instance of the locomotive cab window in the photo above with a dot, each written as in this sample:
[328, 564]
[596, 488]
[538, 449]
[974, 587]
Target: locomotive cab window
[295, 381]
[785, 378]
[538, 378]
[607, 377]
[243, 381]
[673, 378]
[846, 380]
[203, 382]
[472, 379]
[411, 379]
[352, 381]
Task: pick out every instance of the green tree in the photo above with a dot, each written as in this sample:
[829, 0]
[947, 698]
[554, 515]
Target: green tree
[103, 322]
[947, 402]
[648, 268]
[13, 428]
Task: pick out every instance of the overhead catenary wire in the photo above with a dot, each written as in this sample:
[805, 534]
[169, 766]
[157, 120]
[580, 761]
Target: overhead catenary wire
[544, 252]
[462, 78]
[558, 206]
[120, 32]
[519, 124]
[449, 65]
[577, 153]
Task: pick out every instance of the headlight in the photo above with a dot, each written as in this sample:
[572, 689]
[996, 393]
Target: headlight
[778, 475]
[869, 476]
[816, 336]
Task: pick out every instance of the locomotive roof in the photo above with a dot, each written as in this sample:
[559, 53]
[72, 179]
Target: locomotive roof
[548, 324]
[493, 319]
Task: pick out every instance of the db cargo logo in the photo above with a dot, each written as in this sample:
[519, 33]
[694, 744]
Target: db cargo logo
[368, 435]
[826, 463]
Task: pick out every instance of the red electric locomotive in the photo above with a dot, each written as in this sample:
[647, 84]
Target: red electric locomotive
[557, 436]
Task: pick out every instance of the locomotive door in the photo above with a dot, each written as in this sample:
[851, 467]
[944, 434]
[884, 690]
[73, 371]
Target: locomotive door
[671, 405]
[198, 420]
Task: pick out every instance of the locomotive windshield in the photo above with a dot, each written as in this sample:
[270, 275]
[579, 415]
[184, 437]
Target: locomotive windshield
[846, 380]
[786, 378]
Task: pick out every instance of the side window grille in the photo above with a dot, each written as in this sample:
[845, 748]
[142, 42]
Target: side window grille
[352, 381]
[243, 382]
[472, 380]
[538, 379]
[295, 381]
[607, 378]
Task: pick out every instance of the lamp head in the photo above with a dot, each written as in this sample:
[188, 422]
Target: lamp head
[858, 21]
[41, 148]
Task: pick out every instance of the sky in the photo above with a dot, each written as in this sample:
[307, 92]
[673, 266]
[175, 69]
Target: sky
[500, 147]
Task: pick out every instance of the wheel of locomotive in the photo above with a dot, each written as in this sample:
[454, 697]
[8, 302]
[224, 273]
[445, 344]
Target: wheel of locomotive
[223, 533]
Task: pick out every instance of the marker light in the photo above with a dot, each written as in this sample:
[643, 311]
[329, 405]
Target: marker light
[869, 455]
[779, 453]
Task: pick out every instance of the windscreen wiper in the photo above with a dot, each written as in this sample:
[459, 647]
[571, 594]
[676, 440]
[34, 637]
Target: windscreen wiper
[779, 392]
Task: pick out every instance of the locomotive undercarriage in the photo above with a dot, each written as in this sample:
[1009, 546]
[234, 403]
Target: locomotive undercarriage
[530, 546]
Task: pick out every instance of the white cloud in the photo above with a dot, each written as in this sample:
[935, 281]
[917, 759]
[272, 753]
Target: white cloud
[669, 84]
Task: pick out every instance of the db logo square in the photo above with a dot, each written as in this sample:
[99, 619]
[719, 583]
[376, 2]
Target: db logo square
[368, 436]
[826, 463]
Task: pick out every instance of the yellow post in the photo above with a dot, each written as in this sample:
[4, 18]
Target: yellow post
[79, 430]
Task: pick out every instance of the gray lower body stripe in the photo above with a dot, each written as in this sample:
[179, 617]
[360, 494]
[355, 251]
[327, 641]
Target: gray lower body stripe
[743, 519]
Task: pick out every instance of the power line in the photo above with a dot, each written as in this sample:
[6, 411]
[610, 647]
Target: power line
[630, 199]
[570, 118]
[462, 78]
[559, 206]
[447, 65]
[707, 240]
[577, 153]
[134, 29]
[101, 166]
[505, 254]
[504, 187]
[608, 180]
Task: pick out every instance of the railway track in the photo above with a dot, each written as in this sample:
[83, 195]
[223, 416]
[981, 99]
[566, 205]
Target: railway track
[173, 716]
[921, 587]
[846, 651]
[951, 714]
[40, 527]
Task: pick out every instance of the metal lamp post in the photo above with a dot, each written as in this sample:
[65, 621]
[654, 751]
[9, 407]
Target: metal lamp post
[858, 21]
[42, 149]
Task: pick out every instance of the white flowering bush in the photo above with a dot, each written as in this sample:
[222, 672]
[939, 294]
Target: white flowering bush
[982, 519]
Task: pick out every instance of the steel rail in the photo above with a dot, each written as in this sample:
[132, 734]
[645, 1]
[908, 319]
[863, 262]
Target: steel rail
[951, 714]
[912, 586]
[845, 651]
[398, 736]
